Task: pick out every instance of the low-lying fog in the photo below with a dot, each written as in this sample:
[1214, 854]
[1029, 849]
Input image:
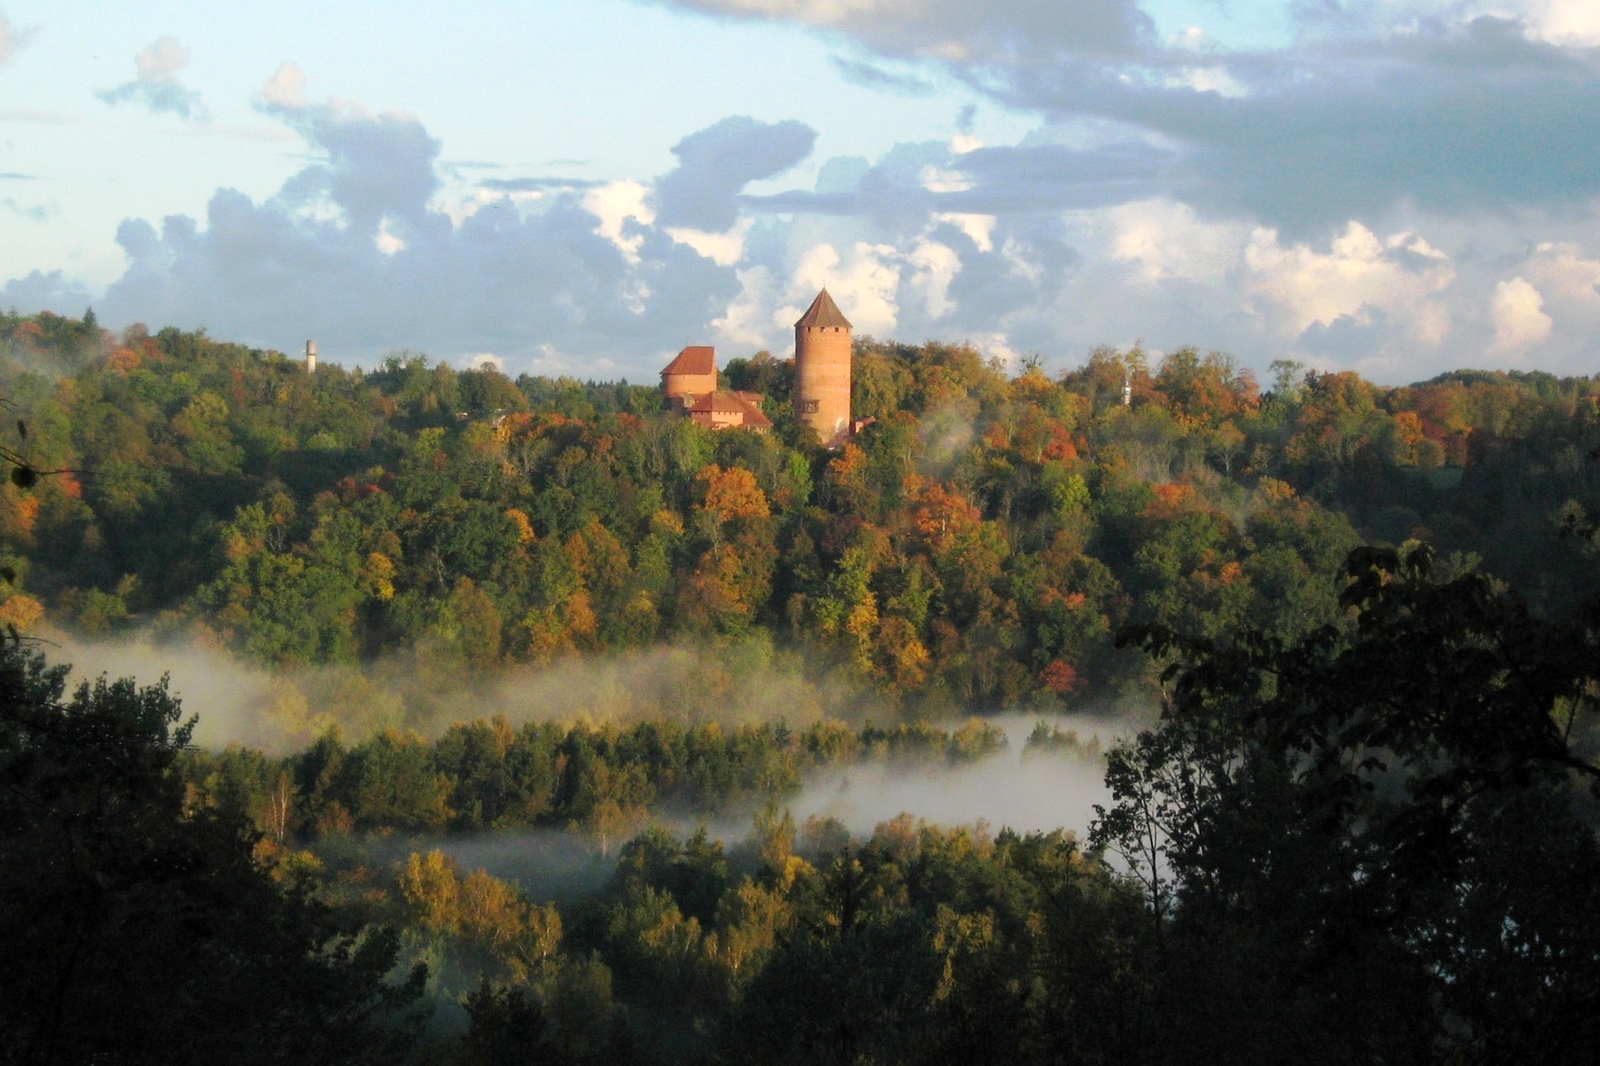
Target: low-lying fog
[238, 702]
[284, 710]
[1015, 789]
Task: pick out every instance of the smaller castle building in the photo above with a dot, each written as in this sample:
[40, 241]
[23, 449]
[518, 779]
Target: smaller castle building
[823, 339]
[691, 375]
[730, 410]
[689, 384]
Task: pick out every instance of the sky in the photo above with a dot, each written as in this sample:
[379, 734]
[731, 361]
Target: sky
[1398, 187]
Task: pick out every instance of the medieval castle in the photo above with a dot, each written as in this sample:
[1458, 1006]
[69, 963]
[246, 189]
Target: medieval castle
[821, 380]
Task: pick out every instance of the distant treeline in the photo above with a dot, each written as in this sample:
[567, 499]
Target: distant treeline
[975, 548]
[601, 780]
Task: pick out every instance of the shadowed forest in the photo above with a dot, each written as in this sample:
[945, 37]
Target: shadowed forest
[530, 674]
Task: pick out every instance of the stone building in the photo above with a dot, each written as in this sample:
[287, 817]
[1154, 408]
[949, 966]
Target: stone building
[822, 370]
[691, 375]
[730, 410]
[689, 384]
[822, 339]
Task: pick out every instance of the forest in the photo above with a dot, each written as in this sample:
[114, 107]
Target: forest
[1348, 633]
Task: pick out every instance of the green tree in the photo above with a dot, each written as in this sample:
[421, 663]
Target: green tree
[1373, 841]
[138, 930]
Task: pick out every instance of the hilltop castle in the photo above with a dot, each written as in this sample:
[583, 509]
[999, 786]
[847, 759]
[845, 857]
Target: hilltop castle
[690, 384]
[822, 339]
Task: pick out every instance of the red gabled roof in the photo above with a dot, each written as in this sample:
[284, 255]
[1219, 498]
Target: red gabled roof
[695, 359]
[823, 313]
[732, 403]
[754, 415]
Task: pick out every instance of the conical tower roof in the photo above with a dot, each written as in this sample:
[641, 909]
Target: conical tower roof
[823, 313]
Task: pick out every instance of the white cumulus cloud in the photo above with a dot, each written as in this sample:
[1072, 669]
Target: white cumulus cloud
[865, 285]
[1519, 318]
[723, 249]
[286, 87]
[616, 205]
[1572, 22]
[1359, 273]
[1166, 239]
[934, 267]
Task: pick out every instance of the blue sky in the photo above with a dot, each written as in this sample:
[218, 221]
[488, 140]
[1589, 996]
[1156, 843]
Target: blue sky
[583, 186]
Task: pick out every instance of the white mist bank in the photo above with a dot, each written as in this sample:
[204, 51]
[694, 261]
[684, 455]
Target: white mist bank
[1033, 793]
[279, 712]
[285, 709]
[233, 701]
[1011, 789]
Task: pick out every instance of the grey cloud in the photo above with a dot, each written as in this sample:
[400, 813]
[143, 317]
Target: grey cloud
[157, 96]
[842, 173]
[1342, 125]
[1056, 177]
[525, 286]
[1349, 120]
[999, 31]
[1026, 178]
[1021, 276]
[719, 161]
[42, 291]
[157, 86]
[377, 166]
[1479, 118]
[1348, 339]
[991, 294]
[890, 192]
[877, 76]
[535, 184]
[355, 251]
[33, 212]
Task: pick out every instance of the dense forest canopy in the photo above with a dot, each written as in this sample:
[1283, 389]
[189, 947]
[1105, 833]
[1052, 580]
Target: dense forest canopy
[1359, 825]
[974, 549]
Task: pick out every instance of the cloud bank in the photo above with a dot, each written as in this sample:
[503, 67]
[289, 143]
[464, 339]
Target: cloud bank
[1400, 187]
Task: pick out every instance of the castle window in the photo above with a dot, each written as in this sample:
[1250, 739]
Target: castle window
[810, 407]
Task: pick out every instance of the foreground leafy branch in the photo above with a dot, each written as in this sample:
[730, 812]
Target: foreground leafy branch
[1377, 834]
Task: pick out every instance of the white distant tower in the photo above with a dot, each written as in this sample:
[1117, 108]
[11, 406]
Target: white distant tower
[1127, 390]
[311, 357]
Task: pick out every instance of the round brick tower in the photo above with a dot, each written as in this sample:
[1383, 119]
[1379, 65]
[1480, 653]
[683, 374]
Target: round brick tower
[822, 370]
